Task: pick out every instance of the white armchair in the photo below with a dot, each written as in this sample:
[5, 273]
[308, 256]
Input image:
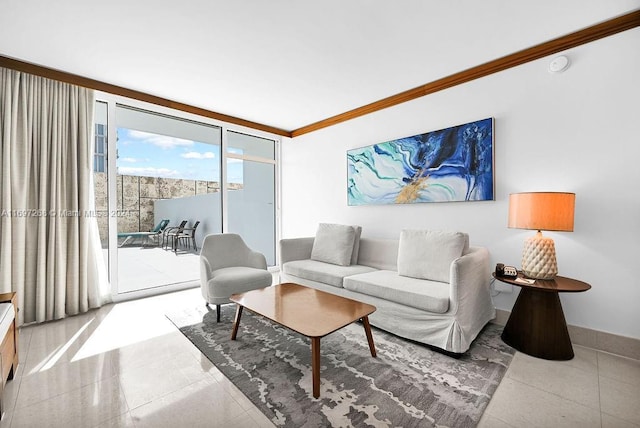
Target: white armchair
[228, 266]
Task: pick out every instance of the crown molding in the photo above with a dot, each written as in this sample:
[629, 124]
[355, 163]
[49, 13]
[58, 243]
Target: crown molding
[85, 82]
[572, 40]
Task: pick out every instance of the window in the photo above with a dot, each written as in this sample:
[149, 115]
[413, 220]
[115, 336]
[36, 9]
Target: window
[100, 154]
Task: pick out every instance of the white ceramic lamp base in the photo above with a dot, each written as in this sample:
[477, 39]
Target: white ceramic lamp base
[539, 257]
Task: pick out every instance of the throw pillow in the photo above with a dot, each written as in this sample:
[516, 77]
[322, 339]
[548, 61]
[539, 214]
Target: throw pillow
[356, 245]
[333, 244]
[427, 254]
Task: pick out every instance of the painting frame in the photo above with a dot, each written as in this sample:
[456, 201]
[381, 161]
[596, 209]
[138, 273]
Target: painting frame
[454, 164]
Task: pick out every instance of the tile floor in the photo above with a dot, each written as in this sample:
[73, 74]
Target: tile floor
[125, 365]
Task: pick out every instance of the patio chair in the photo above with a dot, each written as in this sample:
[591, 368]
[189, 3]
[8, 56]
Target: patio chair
[228, 266]
[158, 230]
[153, 233]
[188, 235]
[170, 234]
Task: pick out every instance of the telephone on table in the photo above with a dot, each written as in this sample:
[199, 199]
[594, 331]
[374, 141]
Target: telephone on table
[506, 271]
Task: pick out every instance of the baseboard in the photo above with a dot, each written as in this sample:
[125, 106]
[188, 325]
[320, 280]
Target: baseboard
[602, 341]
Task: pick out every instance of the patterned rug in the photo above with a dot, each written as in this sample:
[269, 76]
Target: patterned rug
[407, 385]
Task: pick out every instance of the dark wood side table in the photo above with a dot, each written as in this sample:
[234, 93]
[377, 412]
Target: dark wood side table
[536, 325]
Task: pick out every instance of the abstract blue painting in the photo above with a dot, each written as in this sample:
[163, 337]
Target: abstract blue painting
[452, 164]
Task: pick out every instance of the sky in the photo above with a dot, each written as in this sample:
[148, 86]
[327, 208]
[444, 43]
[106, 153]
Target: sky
[153, 155]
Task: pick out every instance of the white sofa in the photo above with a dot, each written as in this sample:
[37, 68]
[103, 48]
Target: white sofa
[447, 315]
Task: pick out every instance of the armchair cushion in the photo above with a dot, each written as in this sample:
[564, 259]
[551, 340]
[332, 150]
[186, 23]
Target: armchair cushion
[227, 281]
[427, 254]
[333, 244]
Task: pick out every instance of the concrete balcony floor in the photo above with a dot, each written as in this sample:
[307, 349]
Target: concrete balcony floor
[144, 265]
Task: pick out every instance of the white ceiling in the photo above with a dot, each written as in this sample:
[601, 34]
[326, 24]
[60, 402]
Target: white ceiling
[283, 63]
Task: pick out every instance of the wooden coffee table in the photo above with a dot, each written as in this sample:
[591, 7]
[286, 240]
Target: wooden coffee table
[310, 312]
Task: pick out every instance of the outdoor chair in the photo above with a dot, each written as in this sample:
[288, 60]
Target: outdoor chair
[188, 235]
[153, 233]
[158, 230]
[170, 234]
[228, 266]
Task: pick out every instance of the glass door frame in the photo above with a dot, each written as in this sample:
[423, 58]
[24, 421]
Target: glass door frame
[113, 100]
[258, 159]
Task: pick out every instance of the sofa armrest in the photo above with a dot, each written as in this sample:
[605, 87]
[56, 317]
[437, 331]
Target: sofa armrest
[470, 283]
[295, 249]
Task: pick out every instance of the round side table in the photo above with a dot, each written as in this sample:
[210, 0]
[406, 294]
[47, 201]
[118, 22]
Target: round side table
[536, 325]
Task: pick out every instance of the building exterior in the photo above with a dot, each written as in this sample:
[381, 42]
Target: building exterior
[136, 196]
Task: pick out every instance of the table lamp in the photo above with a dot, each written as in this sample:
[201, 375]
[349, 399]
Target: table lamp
[541, 211]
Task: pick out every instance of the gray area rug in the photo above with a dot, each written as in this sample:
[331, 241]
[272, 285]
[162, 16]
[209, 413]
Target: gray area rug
[407, 385]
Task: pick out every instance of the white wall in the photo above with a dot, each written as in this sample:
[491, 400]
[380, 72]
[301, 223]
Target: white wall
[577, 131]
[204, 208]
[251, 213]
[251, 210]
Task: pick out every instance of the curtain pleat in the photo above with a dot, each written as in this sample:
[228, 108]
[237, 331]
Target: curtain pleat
[50, 251]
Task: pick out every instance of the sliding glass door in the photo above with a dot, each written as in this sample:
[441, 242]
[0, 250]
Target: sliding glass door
[156, 170]
[168, 176]
[251, 194]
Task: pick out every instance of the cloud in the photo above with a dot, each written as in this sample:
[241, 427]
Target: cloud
[148, 171]
[198, 155]
[162, 141]
[129, 160]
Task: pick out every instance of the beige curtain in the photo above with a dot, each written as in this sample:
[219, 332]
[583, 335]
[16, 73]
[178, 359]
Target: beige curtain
[49, 244]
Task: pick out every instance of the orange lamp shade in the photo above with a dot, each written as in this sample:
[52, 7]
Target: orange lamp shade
[542, 211]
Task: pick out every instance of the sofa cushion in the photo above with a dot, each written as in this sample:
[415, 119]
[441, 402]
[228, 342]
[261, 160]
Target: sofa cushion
[356, 244]
[326, 273]
[427, 254]
[333, 244]
[379, 253]
[431, 296]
